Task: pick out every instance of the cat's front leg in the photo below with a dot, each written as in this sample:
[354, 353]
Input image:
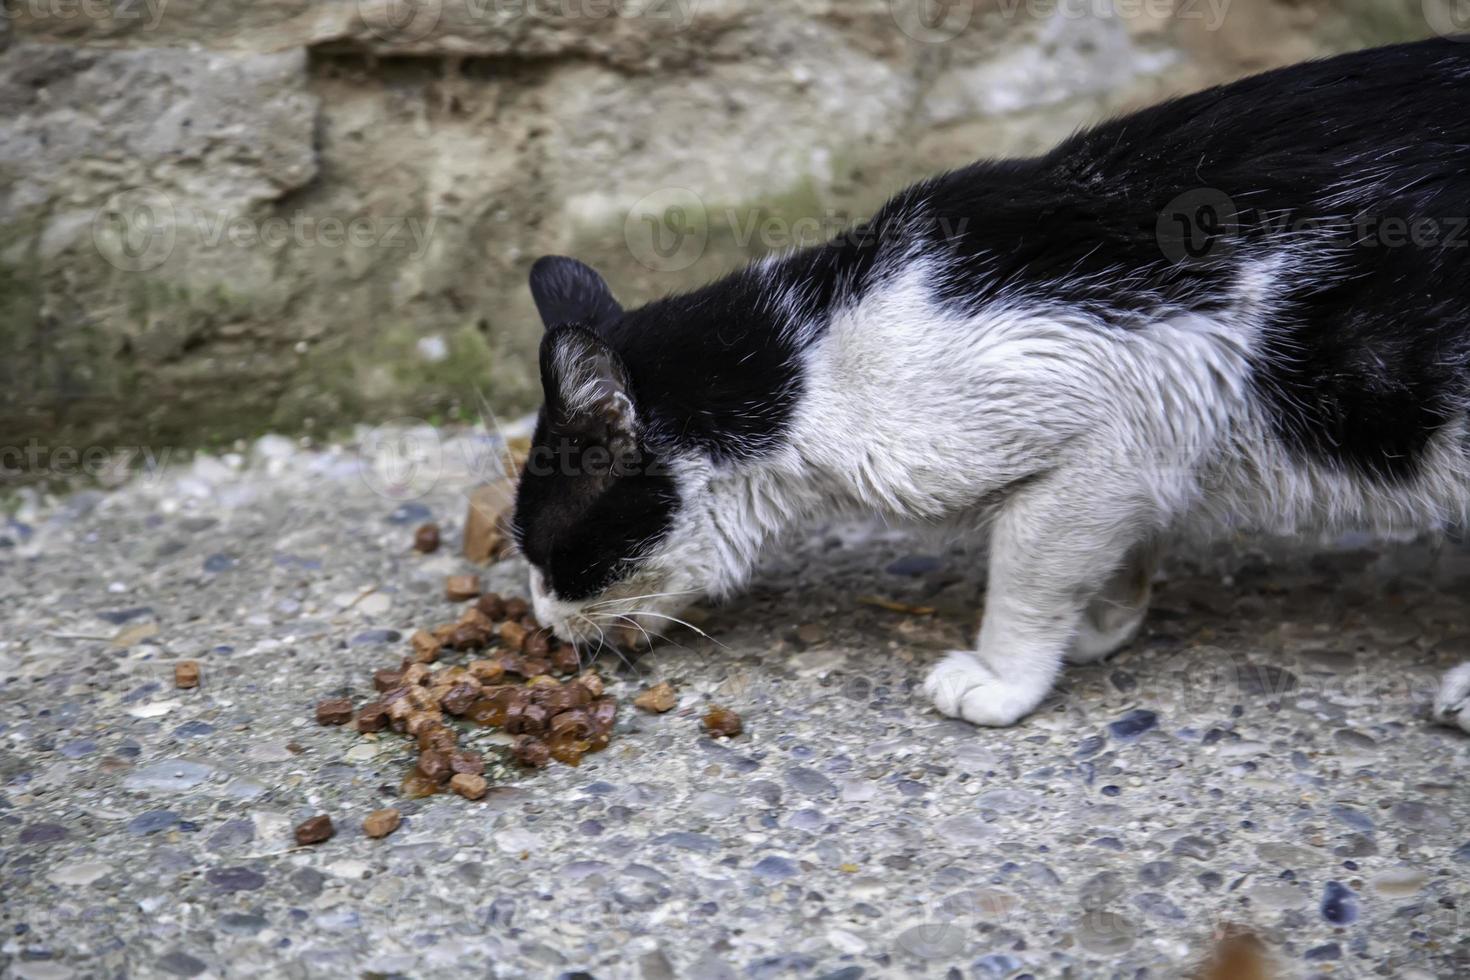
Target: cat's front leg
[1053, 546]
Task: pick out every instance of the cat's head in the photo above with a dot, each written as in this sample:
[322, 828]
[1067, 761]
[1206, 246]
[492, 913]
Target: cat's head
[607, 512]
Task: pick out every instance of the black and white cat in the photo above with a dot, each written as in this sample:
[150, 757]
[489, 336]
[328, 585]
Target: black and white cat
[1246, 307]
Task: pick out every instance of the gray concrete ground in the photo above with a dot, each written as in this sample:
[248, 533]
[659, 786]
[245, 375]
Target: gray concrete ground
[1262, 756]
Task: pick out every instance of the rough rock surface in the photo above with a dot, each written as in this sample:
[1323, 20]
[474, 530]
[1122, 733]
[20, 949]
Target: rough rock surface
[327, 208]
[1260, 757]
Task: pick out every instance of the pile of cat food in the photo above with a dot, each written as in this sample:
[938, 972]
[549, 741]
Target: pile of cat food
[513, 675]
[516, 676]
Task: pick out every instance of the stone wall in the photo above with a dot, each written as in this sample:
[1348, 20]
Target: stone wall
[221, 218]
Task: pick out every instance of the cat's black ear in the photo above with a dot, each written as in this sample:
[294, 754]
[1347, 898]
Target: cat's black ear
[587, 387]
[568, 291]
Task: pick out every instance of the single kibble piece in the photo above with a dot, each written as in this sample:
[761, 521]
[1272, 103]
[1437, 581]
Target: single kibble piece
[438, 739]
[315, 830]
[426, 647]
[491, 606]
[486, 671]
[571, 724]
[415, 674]
[722, 722]
[416, 786]
[604, 712]
[523, 718]
[537, 644]
[468, 785]
[381, 823]
[373, 717]
[334, 711]
[592, 681]
[387, 679]
[487, 534]
[462, 588]
[657, 699]
[565, 659]
[426, 538]
[459, 698]
[517, 608]
[466, 762]
[469, 637]
[568, 750]
[530, 751]
[512, 635]
[418, 721]
[186, 674]
[435, 765]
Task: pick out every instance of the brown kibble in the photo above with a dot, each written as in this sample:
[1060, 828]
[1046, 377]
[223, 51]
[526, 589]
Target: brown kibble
[491, 606]
[416, 786]
[604, 712]
[418, 721]
[426, 538]
[486, 671]
[466, 762]
[657, 699]
[571, 724]
[437, 738]
[435, 765]
[373, 717]
[415, 674]
[387, 679]
[722, 722]
[537, 644]
[315, 830]
[461, 588]
[334, 711]
[565, 659]
[186, 674]
[426, 647]
[381, 823]
[460, 697]
[398, 711]
[530, 751]
[525, 718]
[512, 635]
[469, 637]
[592, 681]
[444, 631]
[469, 785]
[422, 699]
[568, 749]
[531, 667]
[517, 608]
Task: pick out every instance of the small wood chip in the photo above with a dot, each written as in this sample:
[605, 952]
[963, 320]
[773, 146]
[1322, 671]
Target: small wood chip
[657, 699]
[186, 674]
[381, 823]
[334, 711]
[722, 722]
[315, 830]
[486, 526]
[462, 588]
[468, 785]
[426, 539]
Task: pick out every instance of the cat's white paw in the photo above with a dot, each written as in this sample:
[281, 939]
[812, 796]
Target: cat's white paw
[1452, 703]
[962, 687]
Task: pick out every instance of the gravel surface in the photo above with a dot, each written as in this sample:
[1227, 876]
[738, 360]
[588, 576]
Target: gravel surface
[1261, 756]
